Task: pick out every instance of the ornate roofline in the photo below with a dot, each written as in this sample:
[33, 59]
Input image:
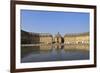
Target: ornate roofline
[57, 35]
[76, 34]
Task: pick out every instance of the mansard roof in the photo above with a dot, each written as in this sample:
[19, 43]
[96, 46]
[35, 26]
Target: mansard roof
[76, 34]
[45, 34]
[36, 34]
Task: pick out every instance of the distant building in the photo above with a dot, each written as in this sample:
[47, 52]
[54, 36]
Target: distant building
[25, 37]
[45, 38]
[82, 38]
[34, 38]
[42, 38]
[58, 38]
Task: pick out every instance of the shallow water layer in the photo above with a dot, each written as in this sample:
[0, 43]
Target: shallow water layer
[46, 53]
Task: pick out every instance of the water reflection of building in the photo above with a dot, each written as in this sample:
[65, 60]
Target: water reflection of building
[58, 38]
[76, 47]
[82, 38]
[45, 47]
[57, 46]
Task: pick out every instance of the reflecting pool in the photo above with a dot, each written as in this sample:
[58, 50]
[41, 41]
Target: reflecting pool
[44, 53]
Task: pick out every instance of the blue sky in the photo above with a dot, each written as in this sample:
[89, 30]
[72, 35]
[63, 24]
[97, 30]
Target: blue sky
[54, 22]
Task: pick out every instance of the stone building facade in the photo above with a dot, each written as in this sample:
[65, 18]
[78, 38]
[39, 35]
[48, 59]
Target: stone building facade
[45, 38]
[25, 37]
[82, 38]
[34, 38]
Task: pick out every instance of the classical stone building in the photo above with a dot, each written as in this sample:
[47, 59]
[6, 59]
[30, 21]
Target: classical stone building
[82, 38]
[45, 38]
[25, 37]
[58, 38]
[34, 38]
